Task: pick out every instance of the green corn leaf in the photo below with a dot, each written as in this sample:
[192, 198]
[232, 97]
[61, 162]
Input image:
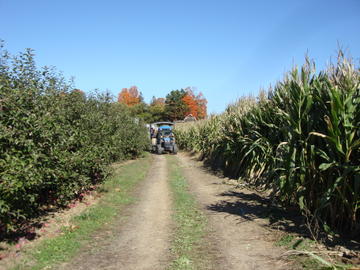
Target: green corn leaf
[325, 166]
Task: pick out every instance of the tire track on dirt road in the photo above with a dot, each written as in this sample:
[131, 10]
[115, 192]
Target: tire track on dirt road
[143, 240]
[240, 241]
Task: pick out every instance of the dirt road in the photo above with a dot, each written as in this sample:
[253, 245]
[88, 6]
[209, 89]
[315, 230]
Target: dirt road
[237, 231]
[143, 240]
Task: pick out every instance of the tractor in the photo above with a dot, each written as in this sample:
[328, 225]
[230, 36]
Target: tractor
[162, 138]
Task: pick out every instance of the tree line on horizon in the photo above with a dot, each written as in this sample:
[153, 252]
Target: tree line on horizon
[175, 106]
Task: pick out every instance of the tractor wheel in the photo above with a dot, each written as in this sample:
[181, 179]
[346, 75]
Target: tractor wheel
[175, 149]
[154, 148]
[159, 150]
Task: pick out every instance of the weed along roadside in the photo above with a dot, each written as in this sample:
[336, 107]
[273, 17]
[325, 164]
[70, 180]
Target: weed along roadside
[116, 193]
[189, 247]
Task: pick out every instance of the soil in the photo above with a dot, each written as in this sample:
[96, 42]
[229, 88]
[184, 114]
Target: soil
[141, 241]
[236, 228]
[238, 237]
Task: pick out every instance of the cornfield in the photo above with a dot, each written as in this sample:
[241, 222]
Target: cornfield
[301, 139]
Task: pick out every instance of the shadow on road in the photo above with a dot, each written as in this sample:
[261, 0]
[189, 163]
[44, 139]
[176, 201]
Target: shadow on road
[251, 206]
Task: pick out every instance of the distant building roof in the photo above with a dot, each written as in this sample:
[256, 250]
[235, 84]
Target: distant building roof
[190, 118]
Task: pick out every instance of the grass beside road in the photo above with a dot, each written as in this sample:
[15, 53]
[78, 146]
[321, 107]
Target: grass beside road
[117, 193]
[188, 246]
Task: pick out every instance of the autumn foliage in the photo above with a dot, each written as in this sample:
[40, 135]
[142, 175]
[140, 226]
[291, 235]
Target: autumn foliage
[196, 104]
[129, 96]
[176, 106]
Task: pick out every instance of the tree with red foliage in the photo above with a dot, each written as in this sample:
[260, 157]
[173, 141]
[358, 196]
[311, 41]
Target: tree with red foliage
[196, 104]
[130, 96]
[202, 108]
[192, 107]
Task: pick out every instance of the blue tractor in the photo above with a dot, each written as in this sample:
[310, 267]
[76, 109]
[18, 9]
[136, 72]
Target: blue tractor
[162, 138]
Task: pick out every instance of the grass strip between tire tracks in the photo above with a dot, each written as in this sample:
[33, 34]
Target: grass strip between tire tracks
[188, 245]
[117, 193]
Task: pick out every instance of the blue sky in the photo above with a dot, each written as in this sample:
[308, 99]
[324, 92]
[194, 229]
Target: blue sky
[225, 49]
